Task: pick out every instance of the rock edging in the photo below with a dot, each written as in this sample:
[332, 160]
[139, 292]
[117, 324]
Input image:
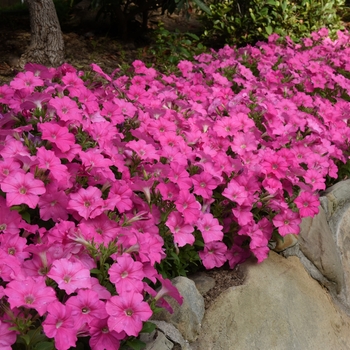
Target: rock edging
[298, 299]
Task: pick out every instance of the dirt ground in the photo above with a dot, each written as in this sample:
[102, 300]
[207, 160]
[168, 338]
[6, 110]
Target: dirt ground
[85, 40]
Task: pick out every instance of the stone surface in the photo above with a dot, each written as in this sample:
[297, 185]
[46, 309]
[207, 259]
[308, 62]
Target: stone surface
[318, 244]
[187, 318]
[335, 198]
[279, 307]
[203, 282]
[330, 240]
[282, 304]
[343, 242]
[156, 341]
[285, 242]
[172, 333]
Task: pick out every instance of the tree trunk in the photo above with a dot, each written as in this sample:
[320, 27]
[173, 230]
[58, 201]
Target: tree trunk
[46, 46]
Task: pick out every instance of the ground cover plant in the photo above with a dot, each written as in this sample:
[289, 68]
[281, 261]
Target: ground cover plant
[112, 184]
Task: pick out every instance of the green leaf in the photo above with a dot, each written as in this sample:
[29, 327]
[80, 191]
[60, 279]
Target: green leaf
[202, 6]
[252, 15]
[284, 6]
[193, 36]
[136, 344]
[16, 207]
[26, 216]
[25, 338]
[268, 30]
[44, 346]
[148, 327]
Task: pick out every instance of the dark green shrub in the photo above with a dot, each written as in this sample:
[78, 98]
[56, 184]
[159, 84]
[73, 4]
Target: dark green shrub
[248, 21]
[169, 48]
[123, 12]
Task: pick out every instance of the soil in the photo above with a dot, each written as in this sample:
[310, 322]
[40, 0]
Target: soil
[86, 43]
[224, 279]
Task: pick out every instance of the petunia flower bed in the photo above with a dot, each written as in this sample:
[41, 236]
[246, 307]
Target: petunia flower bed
[112, 184]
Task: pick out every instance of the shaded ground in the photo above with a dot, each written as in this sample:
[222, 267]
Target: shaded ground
[86, 41]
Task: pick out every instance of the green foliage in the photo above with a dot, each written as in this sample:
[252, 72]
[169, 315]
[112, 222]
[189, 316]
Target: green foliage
[124, 14]
[248, 21]
[179, 261]
[170, 48]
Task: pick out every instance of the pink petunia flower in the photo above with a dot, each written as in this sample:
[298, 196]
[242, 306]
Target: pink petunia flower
[180, 176]
[143, 150]
[66, 108]
[10, 220]
[169, 191]
[235, 192]
[182, 232]
[213, 255]
[276, 165]
[127, 275]
[168, 289]
[315, 179]
[119, 197]
[48, 161]
[58, 135]
[53, 204]
[307, 204]
[236, 255]
[110, 110]
[150, 247]
[14, 245]
[30, 293]
[22, 189]
[127, 313]
[59, 324]
[287, 222]
[8, 337]
[102, 337]
[8, 166]
[86, 306]
[244, 142]
[204, 184]
[87, 202]
[187, 204]
[36, 100]
[210, 228]
[70, 276]
[26, 81]
[100, 229]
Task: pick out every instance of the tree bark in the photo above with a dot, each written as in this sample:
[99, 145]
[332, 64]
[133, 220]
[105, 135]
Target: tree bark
[46, 46]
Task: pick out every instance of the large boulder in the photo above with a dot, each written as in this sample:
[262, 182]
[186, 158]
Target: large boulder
[324, 243]
[279, 307]
[187, 318]
[318, 244]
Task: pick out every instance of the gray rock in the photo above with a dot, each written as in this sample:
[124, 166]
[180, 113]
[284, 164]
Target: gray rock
[172, 333]
[156, 341]
[336, 197]
[187, 318]
[343, 242]
[280, 307]
[318, 244]
[203, 282]
[283, 243]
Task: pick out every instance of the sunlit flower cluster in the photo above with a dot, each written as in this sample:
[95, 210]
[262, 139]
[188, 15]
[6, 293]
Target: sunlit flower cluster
[100, 173]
